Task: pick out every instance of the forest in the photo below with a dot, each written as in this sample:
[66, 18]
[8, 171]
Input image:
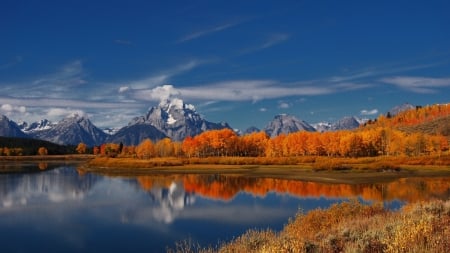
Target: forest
[384, 136]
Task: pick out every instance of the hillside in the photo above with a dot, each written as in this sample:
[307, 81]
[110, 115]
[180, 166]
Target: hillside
[432, 119]
[437, 126]
[31, 146]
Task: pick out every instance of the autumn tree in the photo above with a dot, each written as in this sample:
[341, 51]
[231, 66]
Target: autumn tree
[145, 149]
[42, 151]
[164, 148]
[81, 148]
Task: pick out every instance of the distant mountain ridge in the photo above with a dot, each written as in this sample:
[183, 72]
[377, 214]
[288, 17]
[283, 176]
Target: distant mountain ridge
[171, 118]
[71, 131]
[285, 124]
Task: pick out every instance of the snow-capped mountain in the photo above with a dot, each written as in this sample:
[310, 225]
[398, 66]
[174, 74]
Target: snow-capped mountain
[36, 126]
[400, 108]
[9, 128]
[322, 126]
[286, 124]
[176, 120]
[71, 131]
[346, 123]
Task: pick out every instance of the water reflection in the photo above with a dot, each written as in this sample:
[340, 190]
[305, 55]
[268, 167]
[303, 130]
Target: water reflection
[227, 187]
[55, 185]
[77, 212]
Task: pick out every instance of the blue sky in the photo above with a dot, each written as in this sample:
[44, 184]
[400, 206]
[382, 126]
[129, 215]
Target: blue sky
[242, 62]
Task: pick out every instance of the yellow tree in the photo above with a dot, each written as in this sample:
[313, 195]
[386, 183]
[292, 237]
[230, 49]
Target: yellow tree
[145, 149]
[164, 148]
[81, 148]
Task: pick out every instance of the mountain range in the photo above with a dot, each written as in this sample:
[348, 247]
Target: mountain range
[172, 118]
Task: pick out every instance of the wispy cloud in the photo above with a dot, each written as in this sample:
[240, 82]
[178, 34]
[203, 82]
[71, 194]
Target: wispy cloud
[208, 31]
[424, 85]
[274, 40]
[161, 78]
[270, 41]
[380, 71]
[243, 90]
[369, 112]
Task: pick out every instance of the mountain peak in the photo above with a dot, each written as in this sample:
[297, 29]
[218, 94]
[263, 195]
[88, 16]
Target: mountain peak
[175, 104]
[10, 128]
[176, 119]
[400, 108]
[284, 124]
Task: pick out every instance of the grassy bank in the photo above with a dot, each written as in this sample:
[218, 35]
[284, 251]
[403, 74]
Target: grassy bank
[348, 227]
[314, 162]
[319, 169]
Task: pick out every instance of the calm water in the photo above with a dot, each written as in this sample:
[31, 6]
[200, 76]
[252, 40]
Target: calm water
[57, 209]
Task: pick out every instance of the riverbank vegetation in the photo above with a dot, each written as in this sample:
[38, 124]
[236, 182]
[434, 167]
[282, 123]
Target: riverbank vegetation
[348, 227]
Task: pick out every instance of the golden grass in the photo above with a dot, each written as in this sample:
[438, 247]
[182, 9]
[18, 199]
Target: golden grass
[349, 227]
[317, 163]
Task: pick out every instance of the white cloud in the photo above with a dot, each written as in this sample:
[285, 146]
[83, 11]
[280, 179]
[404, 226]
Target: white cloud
[123, 89]
[162, 93]
[63, 112]
[241, 90]
[8, 108]
[283, 105]
[369, 112]
[418, 84]
[263, 109]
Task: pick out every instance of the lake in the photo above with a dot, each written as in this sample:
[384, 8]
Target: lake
[57, 208]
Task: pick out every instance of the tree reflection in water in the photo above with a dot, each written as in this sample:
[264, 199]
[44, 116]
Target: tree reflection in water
[224, 187]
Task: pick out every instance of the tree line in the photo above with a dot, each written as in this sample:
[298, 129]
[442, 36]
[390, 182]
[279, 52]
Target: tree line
[379, 141]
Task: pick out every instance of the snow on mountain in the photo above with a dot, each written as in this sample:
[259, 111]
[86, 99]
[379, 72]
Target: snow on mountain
[345, 123]
[176, 120]
[36, 126]
[284, 124]
[9, 128]
[71, 131]
[322, 126]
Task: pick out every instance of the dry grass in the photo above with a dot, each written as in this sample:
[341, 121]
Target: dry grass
[350, 227]
[316, 162]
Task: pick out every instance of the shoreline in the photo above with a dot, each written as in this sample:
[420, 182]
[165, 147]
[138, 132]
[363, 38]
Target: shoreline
[355, 173]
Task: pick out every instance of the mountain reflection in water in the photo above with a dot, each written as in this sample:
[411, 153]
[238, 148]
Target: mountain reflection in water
[60, 209]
